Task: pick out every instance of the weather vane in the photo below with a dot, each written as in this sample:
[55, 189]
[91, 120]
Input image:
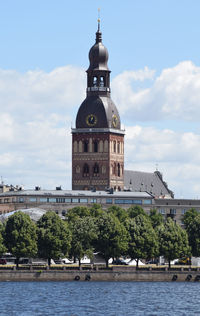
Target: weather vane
[98, 19]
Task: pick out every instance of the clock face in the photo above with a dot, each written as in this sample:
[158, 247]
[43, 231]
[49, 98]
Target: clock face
[91, 120]
[114, 121]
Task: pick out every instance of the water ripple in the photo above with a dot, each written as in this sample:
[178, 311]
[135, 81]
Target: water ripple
[99, 298]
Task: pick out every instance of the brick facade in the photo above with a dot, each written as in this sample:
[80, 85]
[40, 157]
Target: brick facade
[97, 161]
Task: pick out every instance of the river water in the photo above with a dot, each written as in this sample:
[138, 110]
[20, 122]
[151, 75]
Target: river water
[99, 298]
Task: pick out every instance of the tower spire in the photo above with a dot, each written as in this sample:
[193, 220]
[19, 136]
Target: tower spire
[98, 33]
[99, 20]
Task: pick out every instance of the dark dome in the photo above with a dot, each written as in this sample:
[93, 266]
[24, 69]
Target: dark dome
[98, 55]
[104, 110]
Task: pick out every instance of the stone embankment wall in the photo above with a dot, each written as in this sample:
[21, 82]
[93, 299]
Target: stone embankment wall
[116, 274]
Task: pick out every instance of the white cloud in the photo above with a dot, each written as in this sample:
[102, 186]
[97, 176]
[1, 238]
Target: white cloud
[37, 109]
[37, 93]
[176, 154]
[36, 113]
[174, 94]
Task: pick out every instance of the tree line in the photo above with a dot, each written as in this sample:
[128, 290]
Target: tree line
[113, 233]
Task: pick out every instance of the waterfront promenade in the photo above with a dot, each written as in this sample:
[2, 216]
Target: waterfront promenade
[90, 273]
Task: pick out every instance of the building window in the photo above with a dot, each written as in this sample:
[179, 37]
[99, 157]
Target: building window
[21, 200]
[68, 200]
[75, 200]
[173, 211]
[103, 169]
[127, 201]
[63, 213]
[114, 169]
[86, 170]
[183, 211]
[147, 201]
[96, 169]
[85, 147]
[75, 146]
[83, 200]
[108, 201]
[96, 146]
[32, 199]
[94, 81]
[93, 200]
[77, 169]
[80, 146]
[60, 200]
[118, 170]
[137, 202]
[102, 82]
[161, 211]
[118, 148]
[52, 200]
[117, 201]
[43, 200]
[114, 146]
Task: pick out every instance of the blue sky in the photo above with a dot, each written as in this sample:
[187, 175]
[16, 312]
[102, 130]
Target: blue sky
[46, 34]
[154, 55]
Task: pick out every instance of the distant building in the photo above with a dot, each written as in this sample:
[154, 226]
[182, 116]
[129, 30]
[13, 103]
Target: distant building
[98, 140]
[146, 181]
[61, 201]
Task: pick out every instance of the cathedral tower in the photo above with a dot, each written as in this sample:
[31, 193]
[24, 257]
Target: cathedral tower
[97, 140]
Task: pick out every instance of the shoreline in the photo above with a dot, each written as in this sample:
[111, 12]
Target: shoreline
[122, 274]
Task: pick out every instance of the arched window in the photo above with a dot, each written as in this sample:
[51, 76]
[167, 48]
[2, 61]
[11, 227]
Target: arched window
[114, 146]
[80, 146]
[86, 170]
[118, 147]
[78, 169]
[102, 82]
[75, 146]
[96, 146]
[101, 146]
[105, 146]
[94, 81]
[118, 170]
[119, 188]
[96, 169]
[114, 169]
[85, 147]
[103, 169]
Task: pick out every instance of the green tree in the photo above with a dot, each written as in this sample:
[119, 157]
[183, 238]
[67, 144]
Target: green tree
[96, 210]
[112, 241]
[134, 211]
[156, 218]
[189, 216]
[20, 236]
[143, 242]
[54, 236]
[2, 246]
[173, 241]
[193, 230]
[119, 212]
[84, 233]
[77, 212]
